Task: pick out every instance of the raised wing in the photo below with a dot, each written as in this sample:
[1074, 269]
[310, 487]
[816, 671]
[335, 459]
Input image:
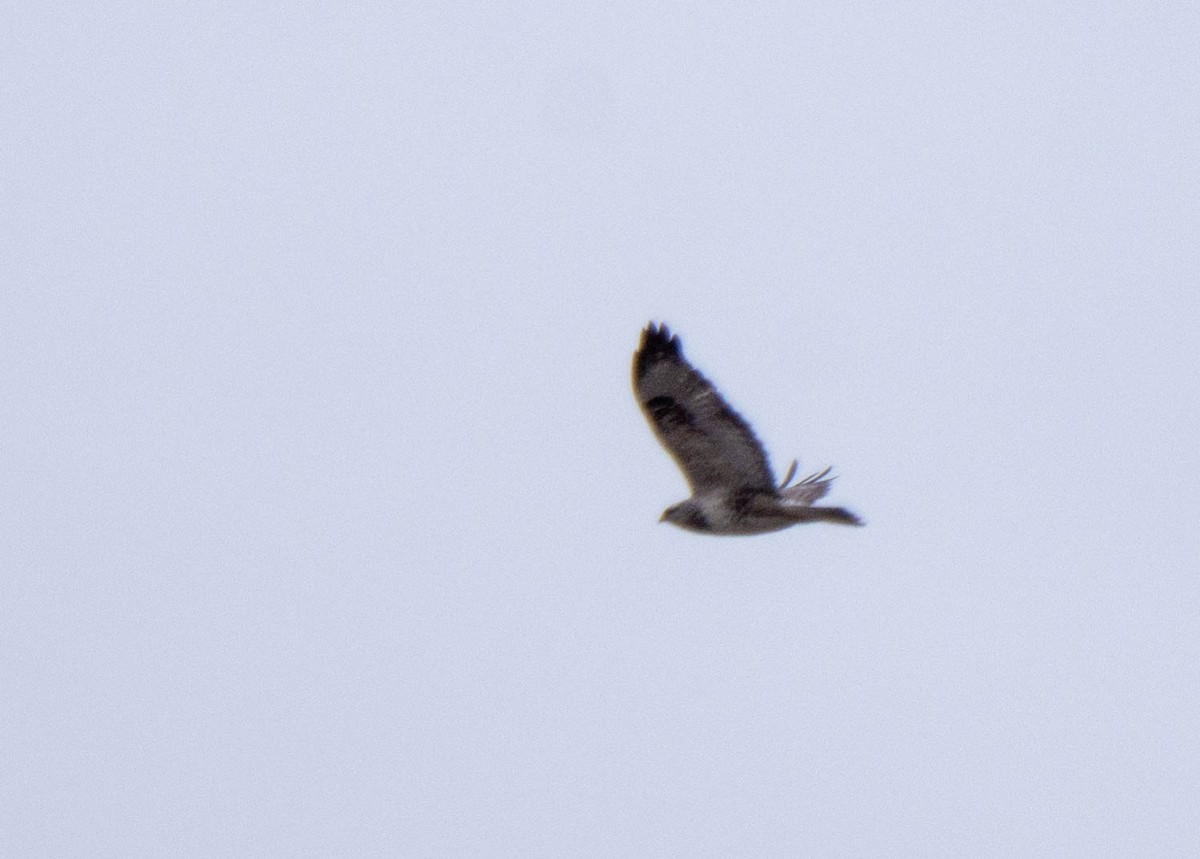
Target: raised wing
[709, 441]
[808, 490]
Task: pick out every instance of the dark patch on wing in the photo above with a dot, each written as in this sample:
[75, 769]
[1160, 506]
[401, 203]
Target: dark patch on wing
[665, 411]
[711, 443]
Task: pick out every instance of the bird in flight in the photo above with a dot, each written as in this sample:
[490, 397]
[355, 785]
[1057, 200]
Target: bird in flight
[733, 488]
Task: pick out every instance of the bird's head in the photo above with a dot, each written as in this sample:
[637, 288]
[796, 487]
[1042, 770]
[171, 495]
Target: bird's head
[686, 514]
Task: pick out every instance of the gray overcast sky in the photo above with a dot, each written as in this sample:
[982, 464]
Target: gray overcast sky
[328, 524]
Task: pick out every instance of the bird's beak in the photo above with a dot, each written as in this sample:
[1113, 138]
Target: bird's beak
[662, 516]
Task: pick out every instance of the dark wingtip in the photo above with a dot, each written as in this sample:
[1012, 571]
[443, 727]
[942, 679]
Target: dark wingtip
[834, 515]
[658, 344]
[845, 517]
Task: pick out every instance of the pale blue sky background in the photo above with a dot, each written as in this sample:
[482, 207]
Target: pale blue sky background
[328, 524]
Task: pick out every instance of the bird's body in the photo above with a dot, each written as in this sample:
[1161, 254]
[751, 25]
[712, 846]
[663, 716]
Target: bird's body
[733, 488]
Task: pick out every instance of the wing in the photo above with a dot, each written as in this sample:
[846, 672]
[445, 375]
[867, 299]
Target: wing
[808, 490]
[771, 507]
[709, 441]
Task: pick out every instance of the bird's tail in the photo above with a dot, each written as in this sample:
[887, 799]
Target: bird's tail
[836, 515]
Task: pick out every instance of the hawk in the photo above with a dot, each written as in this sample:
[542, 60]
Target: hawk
[733, 488]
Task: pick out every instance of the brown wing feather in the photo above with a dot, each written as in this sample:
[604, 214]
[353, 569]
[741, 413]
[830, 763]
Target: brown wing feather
[711, 443]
